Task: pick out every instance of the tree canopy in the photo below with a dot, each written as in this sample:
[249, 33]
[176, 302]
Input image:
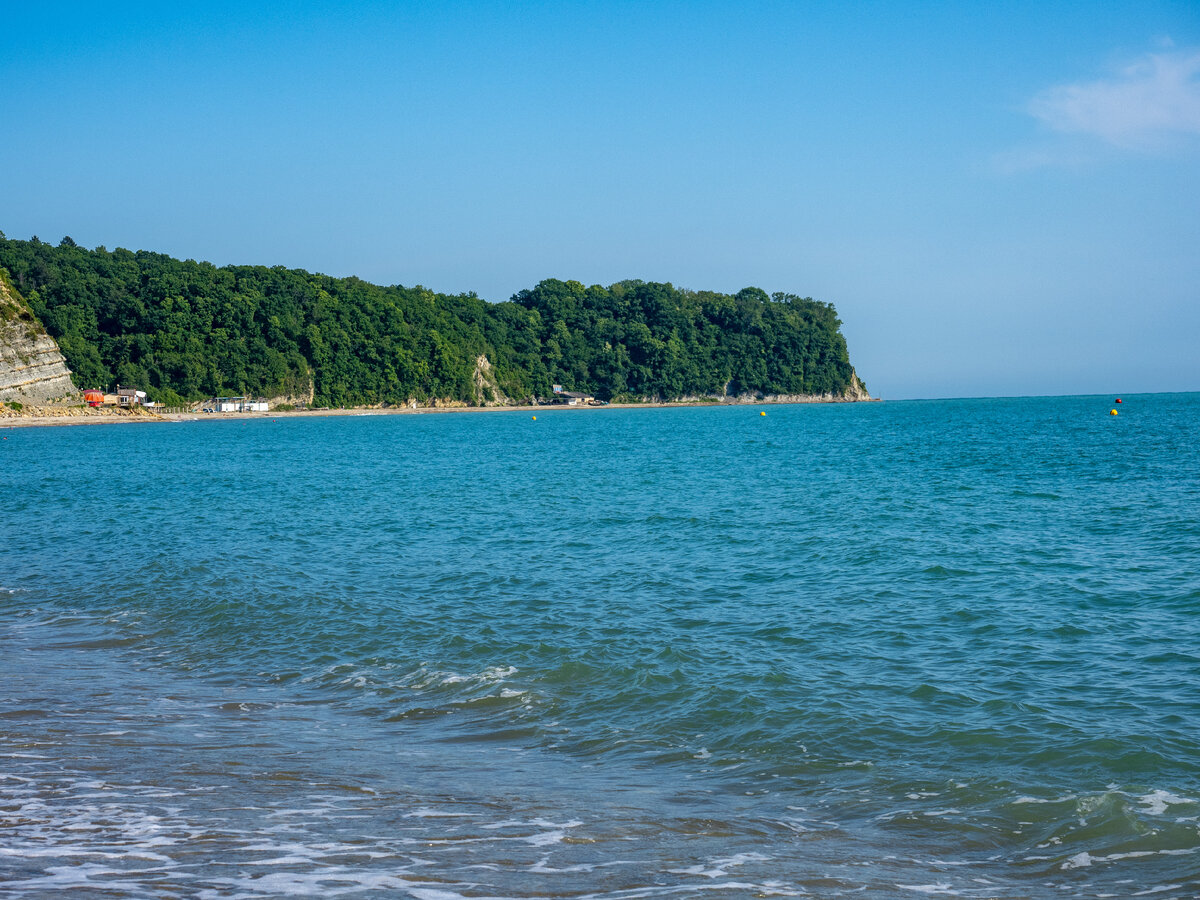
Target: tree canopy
[186, 330]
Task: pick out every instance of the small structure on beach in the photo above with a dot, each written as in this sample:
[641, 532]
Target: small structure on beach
[573, 398]
[129, 397]
[238, 404]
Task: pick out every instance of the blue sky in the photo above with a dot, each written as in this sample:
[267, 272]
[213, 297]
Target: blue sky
[1000, 199]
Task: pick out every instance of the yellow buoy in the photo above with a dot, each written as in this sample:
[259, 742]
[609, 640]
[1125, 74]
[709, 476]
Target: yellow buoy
[1112, 412]
[762, 413]
[534, 418]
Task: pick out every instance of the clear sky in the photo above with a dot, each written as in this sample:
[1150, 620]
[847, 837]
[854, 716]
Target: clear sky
[999, 198]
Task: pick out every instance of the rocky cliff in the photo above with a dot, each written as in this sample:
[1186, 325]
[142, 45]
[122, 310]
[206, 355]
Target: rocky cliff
[31, 368]
[485, 389]
[855, 392]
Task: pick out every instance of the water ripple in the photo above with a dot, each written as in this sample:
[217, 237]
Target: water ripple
[884, 650]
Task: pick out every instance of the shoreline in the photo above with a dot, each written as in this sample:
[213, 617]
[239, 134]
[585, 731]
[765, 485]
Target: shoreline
[52, 417]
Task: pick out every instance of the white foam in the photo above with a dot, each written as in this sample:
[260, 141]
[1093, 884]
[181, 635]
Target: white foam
[717, 868]
[440, 894]
[542, 866]
[490, 675]
[60, 878]
[930, 889]
[1156, 802]
[326, 883]
[1085, 859]
[545, 838]
[536, 823]
[281, 861]
[426, 813]
[1065, 799]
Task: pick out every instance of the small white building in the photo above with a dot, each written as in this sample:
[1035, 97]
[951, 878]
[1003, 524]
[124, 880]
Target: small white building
[239, 404]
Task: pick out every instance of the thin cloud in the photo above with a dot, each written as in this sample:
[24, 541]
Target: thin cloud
[1028, 159]
[1148, 105]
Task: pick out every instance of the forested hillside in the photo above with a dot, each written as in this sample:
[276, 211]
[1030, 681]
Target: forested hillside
[186, 330]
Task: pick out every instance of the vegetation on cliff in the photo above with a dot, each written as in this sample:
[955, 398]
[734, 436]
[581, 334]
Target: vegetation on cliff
[186, 330]
[32, 369]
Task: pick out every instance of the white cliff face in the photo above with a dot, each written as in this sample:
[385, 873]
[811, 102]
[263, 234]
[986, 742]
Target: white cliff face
[32, 370]
[487, 390]
[855, 392]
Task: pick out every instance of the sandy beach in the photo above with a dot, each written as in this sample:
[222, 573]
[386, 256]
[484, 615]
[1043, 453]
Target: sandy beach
[52, 416]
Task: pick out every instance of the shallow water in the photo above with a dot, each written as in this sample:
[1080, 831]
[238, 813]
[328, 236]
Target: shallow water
[873, 650]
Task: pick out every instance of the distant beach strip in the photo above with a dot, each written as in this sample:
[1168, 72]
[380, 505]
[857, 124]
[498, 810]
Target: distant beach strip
[49, 416]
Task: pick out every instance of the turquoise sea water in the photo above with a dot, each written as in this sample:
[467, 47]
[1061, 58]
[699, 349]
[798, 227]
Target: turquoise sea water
[873, 650]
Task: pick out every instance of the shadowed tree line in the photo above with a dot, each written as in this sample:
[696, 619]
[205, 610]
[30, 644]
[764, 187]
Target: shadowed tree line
[185, 330]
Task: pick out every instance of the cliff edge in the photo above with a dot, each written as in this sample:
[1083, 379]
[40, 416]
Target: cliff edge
[854, 392]
[32, 370]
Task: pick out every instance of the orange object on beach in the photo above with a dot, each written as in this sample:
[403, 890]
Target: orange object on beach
[93, 398]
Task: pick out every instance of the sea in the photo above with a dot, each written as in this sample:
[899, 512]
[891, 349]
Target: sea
[938, 648]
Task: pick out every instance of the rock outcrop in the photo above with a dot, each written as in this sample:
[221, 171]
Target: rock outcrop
[300, 397]
[855, 392]
[32, 370]
[485, 389]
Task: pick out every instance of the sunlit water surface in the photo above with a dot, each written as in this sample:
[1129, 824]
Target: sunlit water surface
[871, 650]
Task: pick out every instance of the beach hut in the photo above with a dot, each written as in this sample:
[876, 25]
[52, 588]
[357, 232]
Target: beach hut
[129, 397]
[574, 398]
